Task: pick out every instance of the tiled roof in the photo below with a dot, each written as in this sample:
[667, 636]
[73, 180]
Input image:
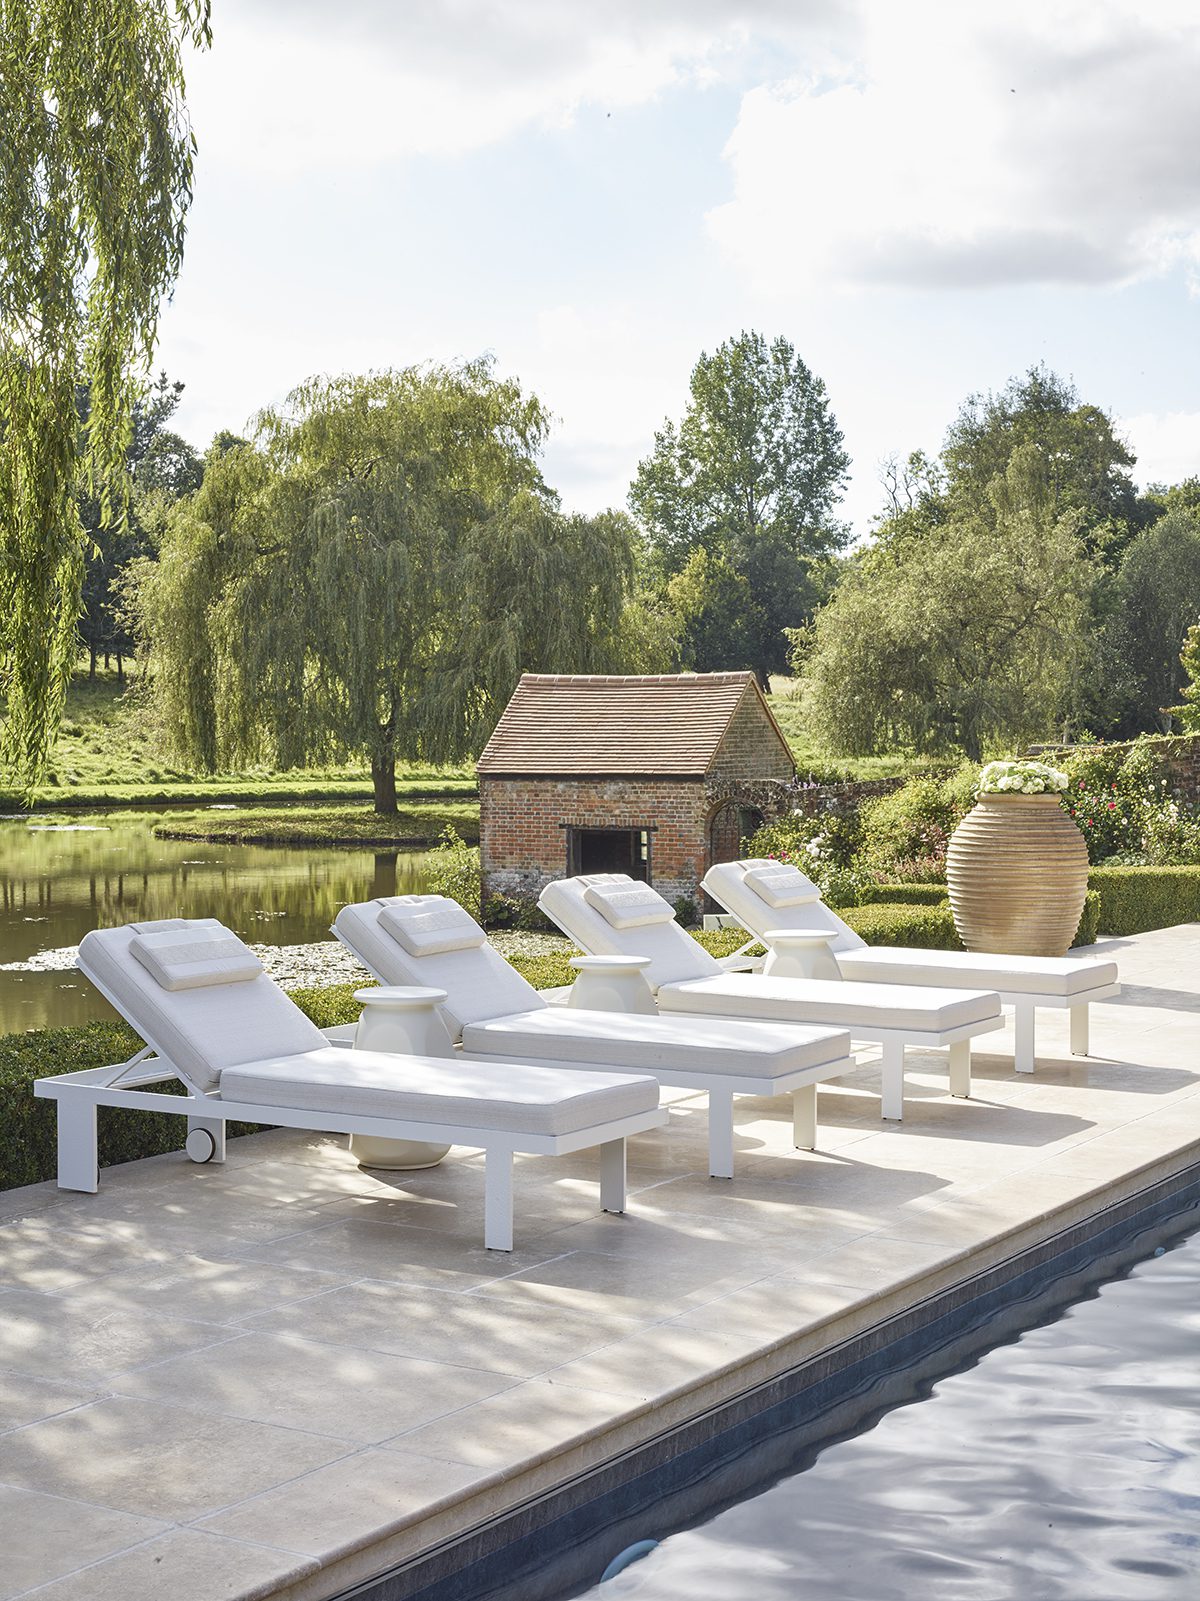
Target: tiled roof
[573, 724]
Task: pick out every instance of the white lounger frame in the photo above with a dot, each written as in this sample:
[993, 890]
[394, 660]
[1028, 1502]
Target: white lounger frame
[721, 1087]
[79, 1094]
[1023, 1002]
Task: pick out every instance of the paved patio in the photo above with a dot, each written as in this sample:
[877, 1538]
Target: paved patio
[282, 1376]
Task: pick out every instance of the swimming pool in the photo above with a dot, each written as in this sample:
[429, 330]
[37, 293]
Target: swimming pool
[1064, 1464]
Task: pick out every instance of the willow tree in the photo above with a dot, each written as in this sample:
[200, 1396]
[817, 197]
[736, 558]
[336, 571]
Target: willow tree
[95, 180]
[371, 574]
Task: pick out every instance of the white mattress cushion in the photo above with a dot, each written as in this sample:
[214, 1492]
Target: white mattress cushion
[673, 954]
[635, 907]
[500, 1096]
[201, 1031]
[658, 1045]
[431, 929]
[782, 886]
[184, 959]
[861, 1008]
[1057, 976]
[477, 980]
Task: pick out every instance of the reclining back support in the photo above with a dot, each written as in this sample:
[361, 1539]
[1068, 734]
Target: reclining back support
[764, 895]
[198, 995]
[429, 939]
[596, 911]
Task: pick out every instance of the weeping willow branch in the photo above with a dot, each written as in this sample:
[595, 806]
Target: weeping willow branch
[95, 181]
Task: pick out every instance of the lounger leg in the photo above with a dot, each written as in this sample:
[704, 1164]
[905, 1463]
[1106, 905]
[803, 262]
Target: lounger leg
[612, 1176]
[498, 1200]
[1023, 1021]
[960, 1068]
[214, 1127]
[804, 1117]
[893, 1079]
[720, 1134]
[1079, 1030]
[78, 1165]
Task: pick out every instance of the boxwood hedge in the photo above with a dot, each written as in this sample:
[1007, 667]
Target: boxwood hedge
[1136, 899]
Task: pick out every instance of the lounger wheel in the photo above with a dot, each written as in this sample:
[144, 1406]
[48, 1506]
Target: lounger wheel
[200, 1145]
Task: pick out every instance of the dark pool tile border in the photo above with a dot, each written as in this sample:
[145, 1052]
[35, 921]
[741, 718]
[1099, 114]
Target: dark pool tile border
[558, 1543]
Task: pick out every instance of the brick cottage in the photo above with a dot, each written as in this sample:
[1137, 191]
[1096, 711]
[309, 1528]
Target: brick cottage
[658, 777]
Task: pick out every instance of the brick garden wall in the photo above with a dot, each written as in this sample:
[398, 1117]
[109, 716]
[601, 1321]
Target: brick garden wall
[1179, 752]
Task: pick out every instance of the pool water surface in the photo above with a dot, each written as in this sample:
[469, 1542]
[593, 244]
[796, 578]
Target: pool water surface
[1065, 1464]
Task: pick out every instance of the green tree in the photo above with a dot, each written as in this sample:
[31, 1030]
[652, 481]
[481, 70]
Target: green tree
[969, 636]
[372, 574]
[162, 467]
[1156, 601]
[714, 615]
[95, 181]
[1085, 464]
[751, 474]
[1188, 712]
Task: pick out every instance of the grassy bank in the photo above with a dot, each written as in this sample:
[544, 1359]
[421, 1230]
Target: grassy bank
[785, 704]
[325, 825]
[110, 754]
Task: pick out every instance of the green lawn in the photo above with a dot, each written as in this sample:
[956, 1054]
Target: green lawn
[826, 768]
[109, 752]
[324, 825]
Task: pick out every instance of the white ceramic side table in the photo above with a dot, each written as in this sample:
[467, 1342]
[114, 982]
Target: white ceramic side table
[611, 984]
[800, 953]
[401, 1019]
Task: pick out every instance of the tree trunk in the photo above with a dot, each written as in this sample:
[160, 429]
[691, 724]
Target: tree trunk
[92, 668]
[120, 668]
[383, 777]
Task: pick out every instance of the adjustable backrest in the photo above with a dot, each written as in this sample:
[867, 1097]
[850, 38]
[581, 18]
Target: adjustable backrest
[197, 994]
[431, 940]
[599, 911]
[764, 894]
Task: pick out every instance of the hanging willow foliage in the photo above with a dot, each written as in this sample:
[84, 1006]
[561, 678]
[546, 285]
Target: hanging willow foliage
[371, 576]
[95, 180]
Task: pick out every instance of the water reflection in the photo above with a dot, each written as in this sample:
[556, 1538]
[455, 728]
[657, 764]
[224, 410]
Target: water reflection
[57, 880]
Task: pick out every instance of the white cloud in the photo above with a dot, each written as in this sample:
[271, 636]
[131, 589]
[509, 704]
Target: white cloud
[971, 146]
[289, 89]
[1166, 444]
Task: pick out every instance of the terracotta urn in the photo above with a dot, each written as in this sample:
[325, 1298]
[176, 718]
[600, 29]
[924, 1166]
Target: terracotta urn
[1016, 869]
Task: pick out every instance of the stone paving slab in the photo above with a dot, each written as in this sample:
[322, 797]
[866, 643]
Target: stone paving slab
[282, 1376]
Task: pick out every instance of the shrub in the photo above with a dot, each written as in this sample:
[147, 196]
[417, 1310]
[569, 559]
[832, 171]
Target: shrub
[1127, 810]
[821, 847]
[1135, 899]
[930, 927]
[452, 867]
[905, 834]
[686, 912]
[903, 894]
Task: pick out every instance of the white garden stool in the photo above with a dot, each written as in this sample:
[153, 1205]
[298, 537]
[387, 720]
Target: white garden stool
[800, 953]
[401, 1019]
[612, 984]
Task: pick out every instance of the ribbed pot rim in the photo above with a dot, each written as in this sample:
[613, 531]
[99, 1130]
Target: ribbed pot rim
[1012, 795]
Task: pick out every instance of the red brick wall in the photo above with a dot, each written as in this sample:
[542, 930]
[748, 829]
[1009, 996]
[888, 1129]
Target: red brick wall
[523, 843]
[751, 747]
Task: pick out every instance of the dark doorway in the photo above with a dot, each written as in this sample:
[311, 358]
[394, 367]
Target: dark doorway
[729, 825]
[609, 850]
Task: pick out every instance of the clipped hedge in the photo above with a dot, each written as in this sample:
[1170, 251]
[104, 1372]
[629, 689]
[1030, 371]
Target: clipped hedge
[902, 894]
[891, 923]
[1137, 899]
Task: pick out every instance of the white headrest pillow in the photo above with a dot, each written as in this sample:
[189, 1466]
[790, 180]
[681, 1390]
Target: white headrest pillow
[782, 886]
[431, 929]
[195, 957]
[629, 908]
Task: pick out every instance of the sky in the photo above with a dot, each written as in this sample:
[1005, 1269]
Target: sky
[925, 197]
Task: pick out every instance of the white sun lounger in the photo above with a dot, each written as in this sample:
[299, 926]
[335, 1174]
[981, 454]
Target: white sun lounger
[244, 1051]
[610, 914]
[765, 895]
[429, 940]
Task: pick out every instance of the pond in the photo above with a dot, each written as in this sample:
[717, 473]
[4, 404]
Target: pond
[59, 877]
